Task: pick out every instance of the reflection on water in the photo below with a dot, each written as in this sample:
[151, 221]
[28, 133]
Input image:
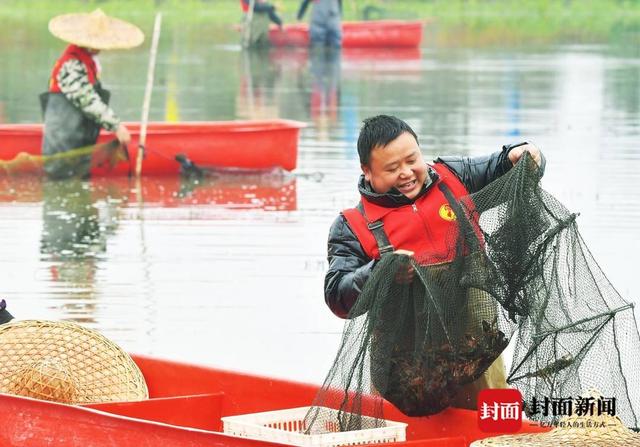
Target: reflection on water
[71, 208]
[255, 99]
[71, 222]
[324, 66]
[228, 269]
[74, 237]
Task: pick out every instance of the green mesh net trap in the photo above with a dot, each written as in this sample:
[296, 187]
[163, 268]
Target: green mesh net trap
[65, 164]
[518, 272]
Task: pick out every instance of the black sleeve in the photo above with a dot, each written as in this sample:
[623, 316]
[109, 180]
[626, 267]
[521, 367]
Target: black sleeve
[262, 7]
[349, 268]
[303, 8]
[477, 172]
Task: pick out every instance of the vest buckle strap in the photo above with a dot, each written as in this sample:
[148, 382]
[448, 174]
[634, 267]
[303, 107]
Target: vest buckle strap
[375, 225]
[377, 228]
[385, 249]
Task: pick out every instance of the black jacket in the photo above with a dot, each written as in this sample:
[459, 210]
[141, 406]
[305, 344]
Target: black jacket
[305, 4]
[349, 265]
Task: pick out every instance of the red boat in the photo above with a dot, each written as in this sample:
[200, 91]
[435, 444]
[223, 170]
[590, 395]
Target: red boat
[374, 33]
[185, 408]
[262, 144]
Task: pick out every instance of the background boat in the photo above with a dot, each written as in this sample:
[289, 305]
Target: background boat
[259, 144]
[374, 33]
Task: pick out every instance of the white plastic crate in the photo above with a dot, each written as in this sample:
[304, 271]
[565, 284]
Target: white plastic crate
[287, 426]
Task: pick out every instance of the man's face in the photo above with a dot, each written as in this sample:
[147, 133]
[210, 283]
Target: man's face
[398, 164]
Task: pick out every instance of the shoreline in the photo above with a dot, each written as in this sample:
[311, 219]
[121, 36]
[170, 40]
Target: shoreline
[453, 22]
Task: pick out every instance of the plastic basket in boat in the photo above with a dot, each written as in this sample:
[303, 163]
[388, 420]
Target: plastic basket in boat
[287, 427]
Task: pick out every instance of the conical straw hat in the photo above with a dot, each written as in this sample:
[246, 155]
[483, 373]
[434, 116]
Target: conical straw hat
[65, 362]
[573, 431]
[96, 30]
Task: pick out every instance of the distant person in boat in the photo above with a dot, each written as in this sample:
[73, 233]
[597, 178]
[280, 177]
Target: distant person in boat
[262, 7]
[75, 107]
[326, 26]
[263, 14]
[394, 177]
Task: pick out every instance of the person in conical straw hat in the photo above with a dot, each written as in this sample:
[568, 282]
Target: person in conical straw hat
[75, 107]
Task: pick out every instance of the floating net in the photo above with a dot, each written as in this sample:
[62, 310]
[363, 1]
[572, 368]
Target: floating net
[106, 155]
[425, 330]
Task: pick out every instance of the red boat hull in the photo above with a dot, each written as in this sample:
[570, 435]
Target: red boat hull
[375, 33]
[244, 144]
[185, 406]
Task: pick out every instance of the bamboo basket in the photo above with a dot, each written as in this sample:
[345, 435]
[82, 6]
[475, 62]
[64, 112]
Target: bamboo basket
[65, 362]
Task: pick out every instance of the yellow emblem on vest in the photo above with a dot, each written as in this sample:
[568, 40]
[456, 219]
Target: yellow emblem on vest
[447, 213]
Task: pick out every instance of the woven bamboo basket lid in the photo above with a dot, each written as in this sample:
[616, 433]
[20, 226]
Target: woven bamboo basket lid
[65, 362]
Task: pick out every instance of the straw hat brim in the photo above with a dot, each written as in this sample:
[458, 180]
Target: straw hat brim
[96, 30]
[66, 362]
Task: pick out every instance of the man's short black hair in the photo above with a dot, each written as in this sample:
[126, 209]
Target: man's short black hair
[379, 131]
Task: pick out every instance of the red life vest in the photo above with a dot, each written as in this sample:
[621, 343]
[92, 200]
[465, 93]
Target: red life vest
[245, 6]
[427, 227]
[78, 53]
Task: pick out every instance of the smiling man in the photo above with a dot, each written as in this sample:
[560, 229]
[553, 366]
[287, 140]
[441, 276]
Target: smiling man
[404, 208]
[400, 207]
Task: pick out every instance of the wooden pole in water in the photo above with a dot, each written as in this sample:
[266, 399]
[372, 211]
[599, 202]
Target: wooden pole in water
[246, 30]
[147, 93]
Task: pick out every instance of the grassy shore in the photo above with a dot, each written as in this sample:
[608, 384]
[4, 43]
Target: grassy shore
[451, 21]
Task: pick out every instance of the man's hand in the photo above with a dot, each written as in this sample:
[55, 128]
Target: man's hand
[122, 134]
[516, 153]
[404, 275]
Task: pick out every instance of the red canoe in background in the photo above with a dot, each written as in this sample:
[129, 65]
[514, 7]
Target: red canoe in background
[261, 144]
[374, 33]
[185, 408]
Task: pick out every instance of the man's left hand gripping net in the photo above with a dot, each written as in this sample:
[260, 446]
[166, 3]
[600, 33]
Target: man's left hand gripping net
[518, 271]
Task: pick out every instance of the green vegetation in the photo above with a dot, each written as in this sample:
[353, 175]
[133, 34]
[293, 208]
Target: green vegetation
[455, 22]
[494, 21]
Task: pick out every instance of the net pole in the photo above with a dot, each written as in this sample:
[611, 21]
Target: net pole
[147, 93]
